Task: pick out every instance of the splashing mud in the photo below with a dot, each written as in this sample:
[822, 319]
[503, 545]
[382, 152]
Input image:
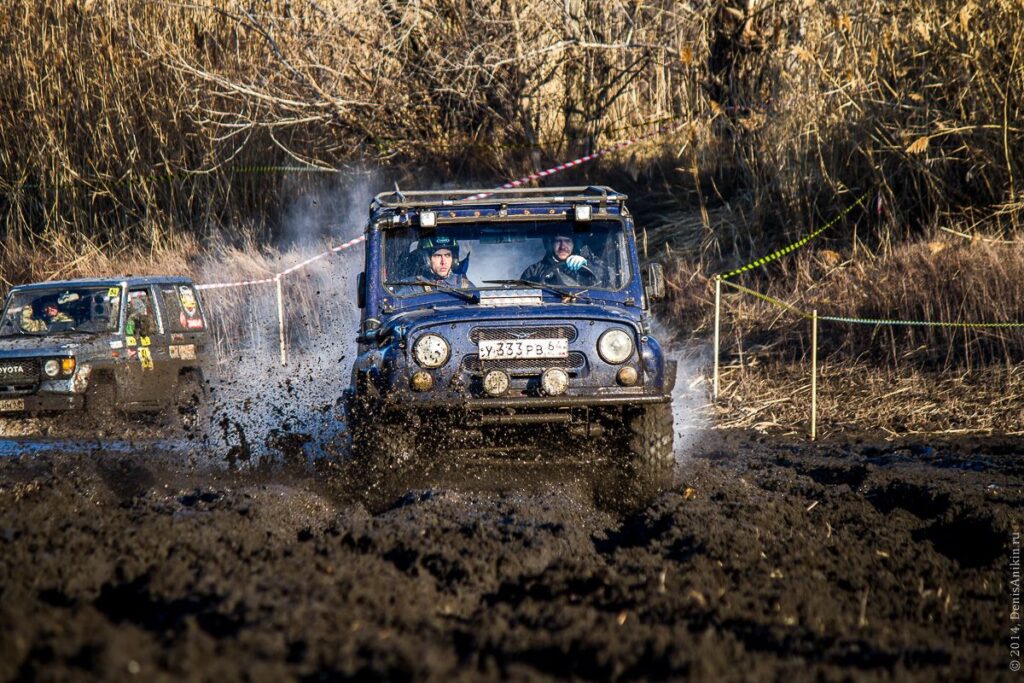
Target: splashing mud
[261, 409]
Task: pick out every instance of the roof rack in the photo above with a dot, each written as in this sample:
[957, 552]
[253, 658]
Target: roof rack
[540, 195]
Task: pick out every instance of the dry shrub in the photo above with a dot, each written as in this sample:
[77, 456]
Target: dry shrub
[125, 120]
[938, 280]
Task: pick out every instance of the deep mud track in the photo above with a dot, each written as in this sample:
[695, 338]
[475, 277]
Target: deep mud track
[771, 560]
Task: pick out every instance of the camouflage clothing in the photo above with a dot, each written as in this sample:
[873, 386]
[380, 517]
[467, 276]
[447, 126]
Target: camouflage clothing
[30, 323]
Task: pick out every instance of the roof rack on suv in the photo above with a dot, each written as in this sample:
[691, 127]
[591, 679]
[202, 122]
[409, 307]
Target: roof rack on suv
[540, 195]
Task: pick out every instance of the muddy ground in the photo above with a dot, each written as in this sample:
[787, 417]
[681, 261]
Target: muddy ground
[771, 559]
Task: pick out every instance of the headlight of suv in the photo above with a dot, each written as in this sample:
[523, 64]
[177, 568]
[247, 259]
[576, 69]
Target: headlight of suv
[55, 367]
[615, 346]
[431, 351]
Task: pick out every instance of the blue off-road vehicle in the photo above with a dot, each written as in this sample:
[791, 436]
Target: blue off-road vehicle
[486, 312]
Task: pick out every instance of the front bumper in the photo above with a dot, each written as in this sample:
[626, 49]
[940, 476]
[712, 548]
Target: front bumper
[527, 403]
[40, 403]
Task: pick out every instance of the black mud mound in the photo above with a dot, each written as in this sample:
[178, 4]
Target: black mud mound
[767, 560]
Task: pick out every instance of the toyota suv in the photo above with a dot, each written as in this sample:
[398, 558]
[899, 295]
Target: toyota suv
[102, 345]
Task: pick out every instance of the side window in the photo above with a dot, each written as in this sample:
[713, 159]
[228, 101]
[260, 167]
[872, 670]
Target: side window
[182, 306]
[141, 320]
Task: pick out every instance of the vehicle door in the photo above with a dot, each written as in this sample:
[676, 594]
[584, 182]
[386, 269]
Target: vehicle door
[186, 325]
[148, 376]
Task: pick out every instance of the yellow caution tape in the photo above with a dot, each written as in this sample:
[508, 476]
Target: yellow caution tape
[919, 323]
[769, 299]
[869, 321]
[775, 255]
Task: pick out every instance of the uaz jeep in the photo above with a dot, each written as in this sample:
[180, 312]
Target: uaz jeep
[130, 344]
[492, 310]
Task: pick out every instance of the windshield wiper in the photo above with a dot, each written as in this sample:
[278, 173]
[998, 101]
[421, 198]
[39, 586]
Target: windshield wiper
[568, 296]
[471, 297]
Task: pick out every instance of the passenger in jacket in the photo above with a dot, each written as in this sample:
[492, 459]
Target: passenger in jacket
[564, 265]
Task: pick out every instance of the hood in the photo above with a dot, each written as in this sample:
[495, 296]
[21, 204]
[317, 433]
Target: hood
[27, 346]
[545, 313]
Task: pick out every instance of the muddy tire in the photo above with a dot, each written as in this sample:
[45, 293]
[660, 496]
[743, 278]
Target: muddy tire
[645, 470]
[184, 413]
[101, 404]
[383, 450]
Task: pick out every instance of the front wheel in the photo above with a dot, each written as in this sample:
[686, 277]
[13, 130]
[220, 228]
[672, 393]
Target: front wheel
[383, 449]
[101, 404]
[645, 470]
[189, 396]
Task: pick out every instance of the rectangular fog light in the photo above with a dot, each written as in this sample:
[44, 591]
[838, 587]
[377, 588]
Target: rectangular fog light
[428, 219]
[583, 212]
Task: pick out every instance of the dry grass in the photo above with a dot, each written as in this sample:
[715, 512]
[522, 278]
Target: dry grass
[960, 281]
[126, 120]
[860, 398]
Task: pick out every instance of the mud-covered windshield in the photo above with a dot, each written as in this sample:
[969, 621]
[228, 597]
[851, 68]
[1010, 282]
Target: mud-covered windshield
[492, 256]
[42, 312]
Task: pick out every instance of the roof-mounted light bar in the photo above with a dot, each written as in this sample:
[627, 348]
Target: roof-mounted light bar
[476, 197]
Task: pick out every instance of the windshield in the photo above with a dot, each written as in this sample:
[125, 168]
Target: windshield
[59, 310]
[494, 256]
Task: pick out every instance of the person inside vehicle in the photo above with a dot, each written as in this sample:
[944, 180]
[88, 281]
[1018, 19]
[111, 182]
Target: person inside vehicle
[44, 315]
[563, 264]
[441, 264]
[140, 321]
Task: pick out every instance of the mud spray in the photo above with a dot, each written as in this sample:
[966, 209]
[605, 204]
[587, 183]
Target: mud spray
[690, 408]
[259, 410]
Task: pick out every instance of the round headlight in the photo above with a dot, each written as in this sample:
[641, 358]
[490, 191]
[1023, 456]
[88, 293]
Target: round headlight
[51, 368]
[431, 351]
[615, 346]
[554, 381]
[496, 382]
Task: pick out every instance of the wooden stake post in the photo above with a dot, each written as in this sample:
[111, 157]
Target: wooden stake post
[814, 375]
[280, 320]
[718, 311]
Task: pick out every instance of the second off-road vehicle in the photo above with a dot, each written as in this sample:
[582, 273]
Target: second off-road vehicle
[104, 345]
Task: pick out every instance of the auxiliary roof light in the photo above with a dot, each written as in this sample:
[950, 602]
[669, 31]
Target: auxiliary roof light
[583, 212]
[428, 219]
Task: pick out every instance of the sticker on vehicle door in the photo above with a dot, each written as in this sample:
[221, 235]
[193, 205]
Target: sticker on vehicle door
[190, 318]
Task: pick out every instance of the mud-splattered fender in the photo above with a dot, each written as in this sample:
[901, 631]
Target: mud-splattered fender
[660, 371]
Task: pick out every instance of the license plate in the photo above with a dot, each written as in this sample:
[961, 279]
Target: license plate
[502, 349]
[12, 404]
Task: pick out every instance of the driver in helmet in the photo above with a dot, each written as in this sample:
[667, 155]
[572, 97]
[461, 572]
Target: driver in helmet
[564, 264]
[441, 262]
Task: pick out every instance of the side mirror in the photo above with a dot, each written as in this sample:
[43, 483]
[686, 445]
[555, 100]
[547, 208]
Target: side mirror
[361, 290]
[654, 281]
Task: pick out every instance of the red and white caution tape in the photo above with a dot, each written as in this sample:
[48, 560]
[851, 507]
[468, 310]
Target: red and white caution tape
[507, 186]
[325, 254]
[297, 266]
[576, 162]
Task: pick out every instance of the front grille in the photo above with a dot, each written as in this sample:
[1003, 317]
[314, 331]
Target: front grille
[523, 366]
[18, 376]
[523, 333]
[19, 373]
